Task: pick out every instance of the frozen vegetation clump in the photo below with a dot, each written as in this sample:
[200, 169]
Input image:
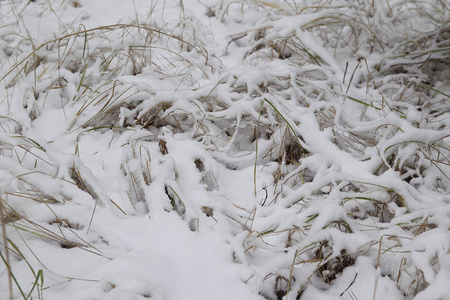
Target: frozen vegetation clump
[225, 149]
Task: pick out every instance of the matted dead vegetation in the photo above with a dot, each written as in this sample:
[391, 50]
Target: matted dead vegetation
[339, 108]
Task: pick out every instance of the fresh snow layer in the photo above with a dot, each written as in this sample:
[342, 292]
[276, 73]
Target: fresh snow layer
[187, 149]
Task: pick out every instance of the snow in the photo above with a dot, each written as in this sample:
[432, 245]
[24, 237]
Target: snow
[224, 149]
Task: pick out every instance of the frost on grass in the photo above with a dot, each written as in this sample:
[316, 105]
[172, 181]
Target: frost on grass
[225, 150]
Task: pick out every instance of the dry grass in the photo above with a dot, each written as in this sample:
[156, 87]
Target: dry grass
[390, 108]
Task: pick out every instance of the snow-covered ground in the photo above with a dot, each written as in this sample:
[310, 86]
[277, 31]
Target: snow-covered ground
[225, 149]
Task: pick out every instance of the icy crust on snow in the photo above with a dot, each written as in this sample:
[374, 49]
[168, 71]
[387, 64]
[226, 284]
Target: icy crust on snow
[225, 149]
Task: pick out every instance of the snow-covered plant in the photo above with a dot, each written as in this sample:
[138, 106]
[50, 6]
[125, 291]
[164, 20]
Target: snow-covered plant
[225, 149]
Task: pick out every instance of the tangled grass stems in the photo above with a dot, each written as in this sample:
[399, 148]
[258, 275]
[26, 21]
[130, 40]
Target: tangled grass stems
[341, 201]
